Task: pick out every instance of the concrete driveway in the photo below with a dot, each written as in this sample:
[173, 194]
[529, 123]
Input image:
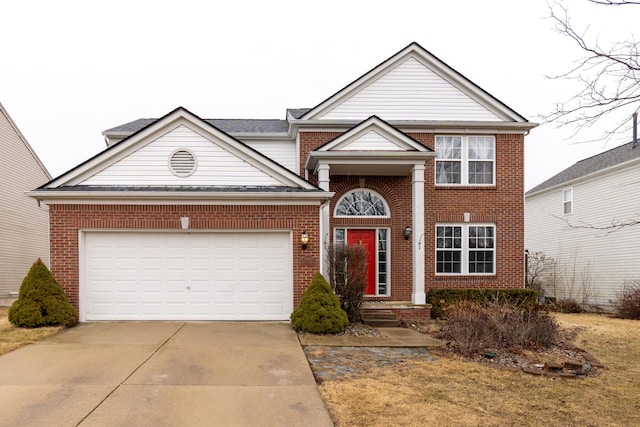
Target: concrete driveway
[162, 374]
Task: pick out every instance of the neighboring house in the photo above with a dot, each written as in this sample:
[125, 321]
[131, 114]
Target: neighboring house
[186, 218]
[569, 218]
[24, 229]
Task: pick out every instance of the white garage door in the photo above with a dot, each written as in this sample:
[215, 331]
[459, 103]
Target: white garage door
[186, 276]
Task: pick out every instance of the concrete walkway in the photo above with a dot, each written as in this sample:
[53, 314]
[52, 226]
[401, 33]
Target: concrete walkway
[162, 374]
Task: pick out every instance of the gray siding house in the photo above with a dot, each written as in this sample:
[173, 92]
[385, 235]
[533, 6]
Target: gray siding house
[23, 225]
[571, 218]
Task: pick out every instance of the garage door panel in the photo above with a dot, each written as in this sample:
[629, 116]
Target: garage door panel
[183, 276]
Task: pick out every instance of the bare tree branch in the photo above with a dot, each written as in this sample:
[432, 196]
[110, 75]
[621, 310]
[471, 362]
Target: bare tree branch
[608, 78]
[615, 225]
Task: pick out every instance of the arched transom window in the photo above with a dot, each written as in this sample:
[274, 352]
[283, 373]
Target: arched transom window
[362, 202]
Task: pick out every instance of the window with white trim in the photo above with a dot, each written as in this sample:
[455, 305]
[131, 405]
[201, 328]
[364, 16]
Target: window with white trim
[567, 201]
[465, 249]
[362, 202]
[465, 160]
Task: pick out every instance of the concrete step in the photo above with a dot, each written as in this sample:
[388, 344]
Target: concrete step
[379, 318]
[381, 323]
[377, 314]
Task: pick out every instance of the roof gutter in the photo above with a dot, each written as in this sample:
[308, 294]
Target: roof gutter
[51, 196]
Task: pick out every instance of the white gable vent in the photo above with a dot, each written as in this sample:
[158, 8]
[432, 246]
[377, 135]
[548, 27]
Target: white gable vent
[182, 163]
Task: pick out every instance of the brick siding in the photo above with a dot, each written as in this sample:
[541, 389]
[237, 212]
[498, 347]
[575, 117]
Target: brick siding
[502, 205]
[67, 220]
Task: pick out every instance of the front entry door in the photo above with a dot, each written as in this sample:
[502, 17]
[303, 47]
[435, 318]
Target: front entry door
[366, 238]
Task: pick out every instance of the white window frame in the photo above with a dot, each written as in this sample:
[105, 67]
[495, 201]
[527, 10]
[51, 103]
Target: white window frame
[567, 200]
[388, 251]
[465, 160]
[464, 259]
[384, 202]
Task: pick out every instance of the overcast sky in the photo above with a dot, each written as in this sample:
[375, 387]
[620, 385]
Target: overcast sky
[71, 69]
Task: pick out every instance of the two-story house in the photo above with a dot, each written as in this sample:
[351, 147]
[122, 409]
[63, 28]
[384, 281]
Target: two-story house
[576, 219]
[190, 218]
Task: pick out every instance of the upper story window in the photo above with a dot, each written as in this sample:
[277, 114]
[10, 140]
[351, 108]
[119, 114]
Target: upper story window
[362, 202]
[465, 160]
[567, 201]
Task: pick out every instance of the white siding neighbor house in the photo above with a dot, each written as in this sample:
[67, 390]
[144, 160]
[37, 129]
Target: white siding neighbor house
[23, 225]
[572, 218]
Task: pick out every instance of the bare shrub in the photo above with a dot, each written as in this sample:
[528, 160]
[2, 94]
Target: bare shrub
[628, 303]
[540, 268]
[498, 324]
[568, 305]
[348, 277]
[468, 325]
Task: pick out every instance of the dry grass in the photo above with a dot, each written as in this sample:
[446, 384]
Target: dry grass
[455, 392]
[12, 337]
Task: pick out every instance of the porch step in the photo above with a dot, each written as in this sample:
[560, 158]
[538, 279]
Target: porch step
[379, 318]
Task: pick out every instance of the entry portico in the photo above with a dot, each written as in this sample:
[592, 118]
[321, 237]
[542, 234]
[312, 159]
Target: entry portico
[374, 148]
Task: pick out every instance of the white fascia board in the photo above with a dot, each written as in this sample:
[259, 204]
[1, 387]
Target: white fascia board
[367, 157]
[180, 198]
[422, 126]
[377, 125]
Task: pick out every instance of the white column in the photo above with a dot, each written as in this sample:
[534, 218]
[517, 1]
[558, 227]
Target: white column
[323, 182]
[419, 240]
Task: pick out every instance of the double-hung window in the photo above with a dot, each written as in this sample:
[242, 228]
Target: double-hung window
[567, 200]
[465, 249]
[465, 160]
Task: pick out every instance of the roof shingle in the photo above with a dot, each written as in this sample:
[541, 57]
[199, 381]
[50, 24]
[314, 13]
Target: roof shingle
[589, 165]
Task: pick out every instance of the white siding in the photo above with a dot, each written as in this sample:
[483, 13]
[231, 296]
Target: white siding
[24, 235]
[282, 152]
[410, 91]
[150, 164]
[591, 263]
[371, 141]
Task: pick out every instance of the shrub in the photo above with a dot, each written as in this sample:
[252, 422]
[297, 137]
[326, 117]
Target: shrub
[627, 305]
[441, 298]
[348, 277]
[41, 301]
[568, 305]
[498, 323]
[319, 310]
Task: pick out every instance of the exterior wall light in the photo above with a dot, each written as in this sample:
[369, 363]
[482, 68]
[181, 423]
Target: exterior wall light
[304, 239]
[407, 232]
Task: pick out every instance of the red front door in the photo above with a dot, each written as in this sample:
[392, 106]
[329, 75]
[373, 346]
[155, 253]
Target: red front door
[366, 238]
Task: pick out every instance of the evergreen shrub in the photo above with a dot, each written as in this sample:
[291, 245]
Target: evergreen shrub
[41, 301]
[319, 310]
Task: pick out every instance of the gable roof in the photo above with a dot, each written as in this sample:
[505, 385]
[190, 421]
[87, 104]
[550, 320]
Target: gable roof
[399, 139]
[433, 63]
[155, 129]
[371, 142]
[15, 128]
[225, 125]
[610, 158]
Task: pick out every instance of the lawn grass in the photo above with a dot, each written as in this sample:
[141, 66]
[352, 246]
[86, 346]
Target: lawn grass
[12, 337]
[455, 392]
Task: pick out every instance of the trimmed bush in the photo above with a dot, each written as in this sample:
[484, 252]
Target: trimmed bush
[41, 301]
[441, 298]
[319, 310]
